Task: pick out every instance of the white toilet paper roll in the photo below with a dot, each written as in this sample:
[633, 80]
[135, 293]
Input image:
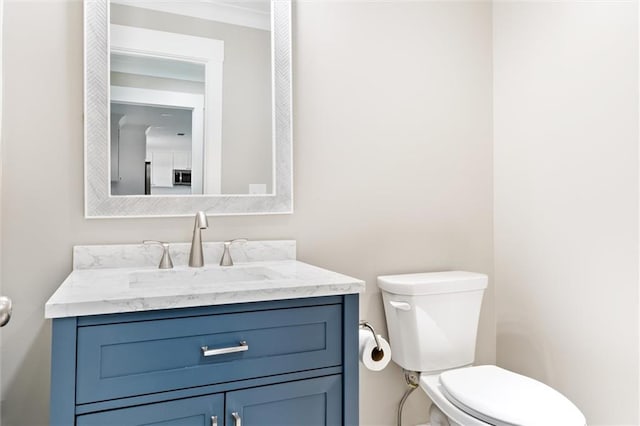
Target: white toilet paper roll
[373, 359]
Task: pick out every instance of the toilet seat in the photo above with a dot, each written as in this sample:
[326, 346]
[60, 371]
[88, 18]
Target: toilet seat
[503, 398]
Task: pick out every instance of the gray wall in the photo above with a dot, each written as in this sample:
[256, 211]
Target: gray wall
[392, 159]
[132, 151]
[566, 191]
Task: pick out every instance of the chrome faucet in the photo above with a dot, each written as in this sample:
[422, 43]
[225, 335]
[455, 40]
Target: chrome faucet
[196, 258]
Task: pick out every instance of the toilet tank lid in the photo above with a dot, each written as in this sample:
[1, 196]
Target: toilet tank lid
[432, 282]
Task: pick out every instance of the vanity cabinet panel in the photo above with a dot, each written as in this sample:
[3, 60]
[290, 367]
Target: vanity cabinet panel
[197, 411]
[120, 360]
[312, 402]
[148, 368]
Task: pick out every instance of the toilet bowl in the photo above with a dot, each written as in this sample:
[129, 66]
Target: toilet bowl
[432, 320]
[489, 395]
[443, 412]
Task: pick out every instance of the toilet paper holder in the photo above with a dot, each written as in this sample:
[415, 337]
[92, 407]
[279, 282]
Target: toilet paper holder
[365, 324]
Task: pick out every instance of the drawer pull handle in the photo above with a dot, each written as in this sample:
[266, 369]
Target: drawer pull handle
[237, 421]
[243, 346]
[214, 420]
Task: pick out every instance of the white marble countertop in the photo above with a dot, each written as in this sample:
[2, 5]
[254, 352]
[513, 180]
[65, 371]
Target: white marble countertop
[107, 290]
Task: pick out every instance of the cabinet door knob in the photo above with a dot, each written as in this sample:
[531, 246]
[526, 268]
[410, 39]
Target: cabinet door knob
[214, 420]
[237, 421]
[6, 306]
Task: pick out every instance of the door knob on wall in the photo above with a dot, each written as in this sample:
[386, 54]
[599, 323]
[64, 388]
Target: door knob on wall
[5, 310]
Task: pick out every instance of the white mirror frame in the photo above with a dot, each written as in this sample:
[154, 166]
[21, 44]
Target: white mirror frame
[99, 203]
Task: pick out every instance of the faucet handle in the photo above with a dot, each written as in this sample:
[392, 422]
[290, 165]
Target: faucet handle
[226, 255]
[165, 262]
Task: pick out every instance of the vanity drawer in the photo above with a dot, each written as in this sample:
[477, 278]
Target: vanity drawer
[136, 358]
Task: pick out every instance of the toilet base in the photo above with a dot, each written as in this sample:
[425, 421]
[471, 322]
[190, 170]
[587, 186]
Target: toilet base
[438, 418]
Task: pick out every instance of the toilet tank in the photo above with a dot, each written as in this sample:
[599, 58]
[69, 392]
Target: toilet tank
[432, 318]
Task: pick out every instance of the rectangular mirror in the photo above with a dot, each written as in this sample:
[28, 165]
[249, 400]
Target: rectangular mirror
[187, 107]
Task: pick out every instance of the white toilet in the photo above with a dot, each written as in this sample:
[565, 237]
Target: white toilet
[433, 321]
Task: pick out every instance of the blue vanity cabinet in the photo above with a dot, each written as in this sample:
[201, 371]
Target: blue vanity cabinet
[285, 362]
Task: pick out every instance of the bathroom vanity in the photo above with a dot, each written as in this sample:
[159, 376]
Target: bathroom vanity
[268, 341]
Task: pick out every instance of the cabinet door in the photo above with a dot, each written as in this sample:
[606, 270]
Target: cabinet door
[311, 402]
[197, 411]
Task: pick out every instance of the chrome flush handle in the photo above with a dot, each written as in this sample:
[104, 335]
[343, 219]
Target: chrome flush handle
[214, 420]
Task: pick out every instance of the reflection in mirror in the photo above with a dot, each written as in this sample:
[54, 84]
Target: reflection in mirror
[161, 139]
[191, 98]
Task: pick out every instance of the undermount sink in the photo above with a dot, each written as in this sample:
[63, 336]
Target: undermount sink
[210, 275]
